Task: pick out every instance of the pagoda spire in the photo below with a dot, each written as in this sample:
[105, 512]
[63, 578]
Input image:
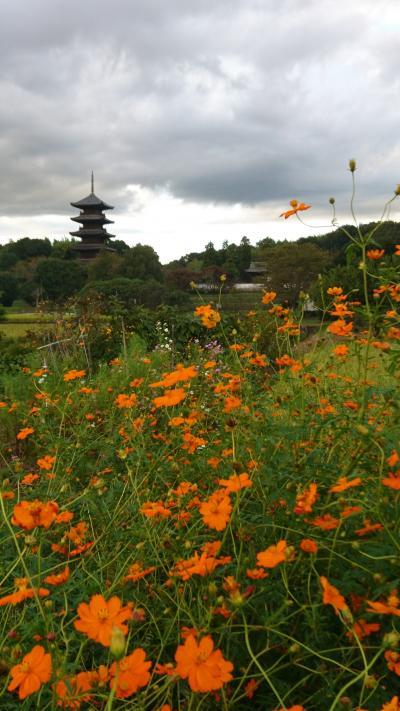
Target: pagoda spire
[92, 184]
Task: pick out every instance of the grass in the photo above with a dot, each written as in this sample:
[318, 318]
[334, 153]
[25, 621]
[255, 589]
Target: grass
[13, 329]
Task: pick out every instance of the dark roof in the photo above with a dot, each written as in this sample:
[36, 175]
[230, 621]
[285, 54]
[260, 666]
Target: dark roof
[92, 201]
[92, 218]
[87, 232]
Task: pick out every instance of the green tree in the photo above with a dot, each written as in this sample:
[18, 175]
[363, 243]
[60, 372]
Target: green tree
[9, 290]
[293, 267]
[106, 265]
[59, 278]
[141, 262]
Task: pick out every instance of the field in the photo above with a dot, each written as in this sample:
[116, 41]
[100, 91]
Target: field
[209, 529]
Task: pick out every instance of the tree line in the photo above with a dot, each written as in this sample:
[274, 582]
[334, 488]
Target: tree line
[36, 270]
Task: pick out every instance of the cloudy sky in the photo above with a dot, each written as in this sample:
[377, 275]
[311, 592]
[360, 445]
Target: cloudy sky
[200, 118]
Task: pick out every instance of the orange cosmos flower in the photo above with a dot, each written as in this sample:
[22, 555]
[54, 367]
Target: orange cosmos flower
[192, 443]
[153, 509]
[393, 459]
[273, 555]
[130, 674]
[170, 398]
[180, 374]
[23, 592]
[185, 487]
[375, 253]
[296, 207]
[64, 517]
[24, 433]
[29, 514]
[332, 596]
[46, 462]
[268, 297]
[285, 360]
[231, 403]
[30, 478]
[392, 481]
[393, 704]
[296, 707]
[214, 462]
[203, 667]
[307, 545]
[350, 511]
[73, 375]
[306, 499]
[341, 350]
[208, 316]
[259, 360]
[343, 483]
[216, 510]
[368, 527]
[59, 578]
[340, 328]
[137, 572]
[236, 482]
[125, 401]
[73, 690]
[363, 629]
[31, 673]
[256, 574]
[390, 607]
[393, 661]
[334, 291]
[98, 618]
[326, 522]
[136, 382]
[201, 565]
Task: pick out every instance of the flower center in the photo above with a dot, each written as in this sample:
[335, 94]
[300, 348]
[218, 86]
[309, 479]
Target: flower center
[25, 667]
[102, 614]
[202, 657]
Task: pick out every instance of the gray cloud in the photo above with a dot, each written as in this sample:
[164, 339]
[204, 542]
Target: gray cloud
[251, 101]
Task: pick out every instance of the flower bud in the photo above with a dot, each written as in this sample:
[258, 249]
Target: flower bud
[370, 682]
[352, 165]
[391, 639]
[397, 191]
[212, 589]
[117, 643]
[237, 598]
[332, 200]
[30, 540]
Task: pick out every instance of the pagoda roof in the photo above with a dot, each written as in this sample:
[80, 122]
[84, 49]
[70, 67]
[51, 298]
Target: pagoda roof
[92, 218]
[86, 232]
[92, 201]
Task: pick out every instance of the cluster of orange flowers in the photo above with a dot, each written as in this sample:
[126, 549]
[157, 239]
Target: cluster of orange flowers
[209, 317]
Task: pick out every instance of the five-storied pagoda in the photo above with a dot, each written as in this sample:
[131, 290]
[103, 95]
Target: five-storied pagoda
[92, 233]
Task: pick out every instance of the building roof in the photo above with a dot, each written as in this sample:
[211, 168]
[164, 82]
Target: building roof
[100, 219]
[92, 201]
[257, 268]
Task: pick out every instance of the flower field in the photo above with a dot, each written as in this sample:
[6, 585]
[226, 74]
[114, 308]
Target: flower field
[219, 531]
